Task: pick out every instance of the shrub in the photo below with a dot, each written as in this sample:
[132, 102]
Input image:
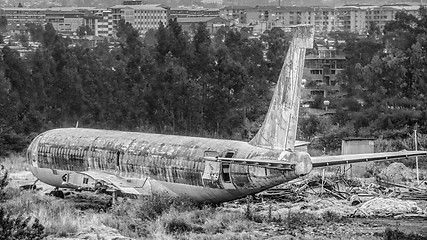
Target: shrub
[19, 228]
[390, 234]
[331, 216]
[4, 181]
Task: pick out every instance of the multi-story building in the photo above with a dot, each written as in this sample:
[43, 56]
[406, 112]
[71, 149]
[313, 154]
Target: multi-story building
[245, 2]
[181, 12]
[65, 21]
[212, 24]
[21, 16]
[320, 72]
[142, 17]
[268, 17]
[380, 15]
[322, 68]
[237, 14]
[324, 19]
[100, 21]
[352, 19]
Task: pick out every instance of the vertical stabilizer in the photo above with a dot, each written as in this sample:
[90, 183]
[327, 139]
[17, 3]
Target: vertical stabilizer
[280, 124]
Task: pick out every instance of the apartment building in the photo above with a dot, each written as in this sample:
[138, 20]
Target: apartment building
[352, 19]
[182, 12]
[271, 16]
[142, 17]
[323, 67]
[212, 24]
[380, 15]
[64, 21]
[237, 14]
[100, 21]
[21, 16]
[320, 72]
[324, 19]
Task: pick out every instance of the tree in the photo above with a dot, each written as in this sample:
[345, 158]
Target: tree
[23, 39]
[3, 23]
[36, 32]
[150, 38]
[49, 36]
[163, 42]
[84, 30]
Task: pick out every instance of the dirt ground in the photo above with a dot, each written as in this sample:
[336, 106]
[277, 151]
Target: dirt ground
[350, 228]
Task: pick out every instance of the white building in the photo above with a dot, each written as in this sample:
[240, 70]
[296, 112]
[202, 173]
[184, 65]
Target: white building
[142, 17]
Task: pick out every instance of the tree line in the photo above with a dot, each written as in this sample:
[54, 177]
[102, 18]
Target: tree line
[168, 82]
[176, 82]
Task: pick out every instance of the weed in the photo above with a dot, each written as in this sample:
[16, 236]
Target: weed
[299, 220]
[390, 234]
[331, 216]
[175, 223]
[14, 163]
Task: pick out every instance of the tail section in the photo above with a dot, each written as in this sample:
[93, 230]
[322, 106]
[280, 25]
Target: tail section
[280, 124]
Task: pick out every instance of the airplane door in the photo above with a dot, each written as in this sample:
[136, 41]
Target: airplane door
[226, 173]
[211, 174]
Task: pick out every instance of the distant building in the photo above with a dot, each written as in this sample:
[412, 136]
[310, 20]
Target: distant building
[352, 19]
[189, 24]
[237, 14]
[100, 21]
[142, 17]
[380, 15]
[65, 21]
[21, 16]
[324, 19]
[320, 72]
[133, 2]
[182, 12]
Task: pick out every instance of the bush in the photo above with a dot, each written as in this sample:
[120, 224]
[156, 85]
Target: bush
[331, 216]
[390, 234]
[4, 181]
[19, 228]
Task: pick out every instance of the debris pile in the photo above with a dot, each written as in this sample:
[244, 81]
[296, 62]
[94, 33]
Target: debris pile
[388, 194]
[386, 207]
[398, 172]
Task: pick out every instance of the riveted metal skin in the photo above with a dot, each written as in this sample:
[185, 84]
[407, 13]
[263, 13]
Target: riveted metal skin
[171, 163]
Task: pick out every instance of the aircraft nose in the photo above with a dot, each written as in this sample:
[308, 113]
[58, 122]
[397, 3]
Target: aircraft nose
[303, 164]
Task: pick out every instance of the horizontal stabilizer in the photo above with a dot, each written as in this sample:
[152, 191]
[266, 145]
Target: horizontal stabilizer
[324, 161]
[272, 164]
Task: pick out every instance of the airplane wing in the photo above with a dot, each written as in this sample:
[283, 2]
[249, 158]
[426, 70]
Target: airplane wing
[273, 164]
[324, 161]
[92, 180]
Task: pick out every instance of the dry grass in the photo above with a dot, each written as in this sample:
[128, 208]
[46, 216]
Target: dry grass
[14, 163]
[58, 216]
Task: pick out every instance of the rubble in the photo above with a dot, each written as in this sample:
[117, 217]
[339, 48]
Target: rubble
[390, 194]
[397, 172]
[386, 207]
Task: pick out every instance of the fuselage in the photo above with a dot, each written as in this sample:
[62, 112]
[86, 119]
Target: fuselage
[171, 163]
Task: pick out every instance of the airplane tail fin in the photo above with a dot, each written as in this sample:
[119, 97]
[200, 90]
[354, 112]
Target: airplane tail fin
[280, 124]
